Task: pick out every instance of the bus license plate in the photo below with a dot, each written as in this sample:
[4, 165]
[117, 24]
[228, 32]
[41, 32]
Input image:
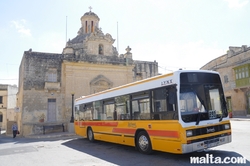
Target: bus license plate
[210, 145]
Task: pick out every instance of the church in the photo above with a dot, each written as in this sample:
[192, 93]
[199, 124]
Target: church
[89, 63]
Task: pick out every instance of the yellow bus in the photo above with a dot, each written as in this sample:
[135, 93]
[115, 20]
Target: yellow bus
[180, 112]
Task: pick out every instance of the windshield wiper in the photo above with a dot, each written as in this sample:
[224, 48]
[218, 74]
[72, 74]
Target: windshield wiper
[222, 115]
[224, 103]
[198, 118]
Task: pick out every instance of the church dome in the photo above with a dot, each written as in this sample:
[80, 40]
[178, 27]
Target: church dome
[89, 15]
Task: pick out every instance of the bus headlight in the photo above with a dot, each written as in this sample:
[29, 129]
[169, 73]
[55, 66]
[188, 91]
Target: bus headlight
[189, 133]
[226, 126]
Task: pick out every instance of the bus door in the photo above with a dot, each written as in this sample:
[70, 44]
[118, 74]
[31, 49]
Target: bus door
[81, 116]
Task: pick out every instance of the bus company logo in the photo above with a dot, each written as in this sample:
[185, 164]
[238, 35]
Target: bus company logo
[210, 130]
[166, 82]
[132, 125]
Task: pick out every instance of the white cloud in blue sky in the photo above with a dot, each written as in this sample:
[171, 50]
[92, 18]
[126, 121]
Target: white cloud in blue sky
[19, 25]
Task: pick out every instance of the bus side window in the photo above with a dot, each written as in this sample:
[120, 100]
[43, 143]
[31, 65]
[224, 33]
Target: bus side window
[98, 110]
[109, 107]
[135, 109]
[141, 105]
[159, 103]
[122, 107]
[81, 110]
[77, 113]
[164, 103]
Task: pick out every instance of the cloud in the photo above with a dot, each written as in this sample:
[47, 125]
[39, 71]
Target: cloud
[20, 27]
[236, 3]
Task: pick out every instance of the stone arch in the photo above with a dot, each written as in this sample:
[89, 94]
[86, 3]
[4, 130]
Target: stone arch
[101, 49]
[100, 83]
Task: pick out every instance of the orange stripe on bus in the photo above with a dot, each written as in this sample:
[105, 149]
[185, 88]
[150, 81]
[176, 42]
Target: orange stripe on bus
[163, 133]
[160, 133]
[106, 124]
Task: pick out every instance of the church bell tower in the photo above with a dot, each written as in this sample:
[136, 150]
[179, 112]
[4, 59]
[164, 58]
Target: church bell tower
[90, 22]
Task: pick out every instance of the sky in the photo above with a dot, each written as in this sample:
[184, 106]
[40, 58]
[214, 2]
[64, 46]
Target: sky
[177, 34]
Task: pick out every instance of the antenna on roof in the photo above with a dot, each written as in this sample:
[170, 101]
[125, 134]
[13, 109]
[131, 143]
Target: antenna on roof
[66, 29]
[117, 39]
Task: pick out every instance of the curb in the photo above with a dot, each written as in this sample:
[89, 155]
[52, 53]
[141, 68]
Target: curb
[240, 119]
[52, 135]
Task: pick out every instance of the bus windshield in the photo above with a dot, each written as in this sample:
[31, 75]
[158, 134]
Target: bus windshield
[201, 97]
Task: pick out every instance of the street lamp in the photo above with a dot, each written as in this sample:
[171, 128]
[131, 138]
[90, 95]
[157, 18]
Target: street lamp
[72, 115]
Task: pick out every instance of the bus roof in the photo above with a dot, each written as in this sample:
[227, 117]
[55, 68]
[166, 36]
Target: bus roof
[103, 94]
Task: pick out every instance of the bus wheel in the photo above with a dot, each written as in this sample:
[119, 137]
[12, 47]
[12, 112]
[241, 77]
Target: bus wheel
[90, 135]
[143, 143]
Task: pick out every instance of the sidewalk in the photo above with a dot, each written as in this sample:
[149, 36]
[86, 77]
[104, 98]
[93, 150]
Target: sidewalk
[46, 135]
[241, 118]
[53, 135]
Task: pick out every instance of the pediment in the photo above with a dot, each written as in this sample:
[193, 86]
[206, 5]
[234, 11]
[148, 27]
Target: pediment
[100, 37]
[101, 80]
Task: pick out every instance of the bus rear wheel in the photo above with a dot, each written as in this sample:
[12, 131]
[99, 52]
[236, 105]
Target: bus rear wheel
[143, 143]
[90, 135]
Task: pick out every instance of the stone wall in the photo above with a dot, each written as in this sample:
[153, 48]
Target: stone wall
[236, 56]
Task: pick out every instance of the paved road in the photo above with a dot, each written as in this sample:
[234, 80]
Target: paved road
[77, 151]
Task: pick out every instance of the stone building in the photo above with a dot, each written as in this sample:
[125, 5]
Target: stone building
[89, 63]
[8, 111]
[234, 68]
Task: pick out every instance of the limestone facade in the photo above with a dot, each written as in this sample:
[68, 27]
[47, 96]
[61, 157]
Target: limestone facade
[234, 69]
[88, 64]
[8, 111]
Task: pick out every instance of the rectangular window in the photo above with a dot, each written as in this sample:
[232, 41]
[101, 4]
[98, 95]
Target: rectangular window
[122, 107]
[52, 77]
[88, 111]
[225, 79]
[140, 106]
[246, 71]
[1, 99]
[98, 112]
[109, 107]
[243, 72]
[164, 103]
[239, 73]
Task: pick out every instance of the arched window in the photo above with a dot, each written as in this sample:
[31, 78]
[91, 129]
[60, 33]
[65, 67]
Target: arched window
[86, 26]
[100, 49]
[92, 26]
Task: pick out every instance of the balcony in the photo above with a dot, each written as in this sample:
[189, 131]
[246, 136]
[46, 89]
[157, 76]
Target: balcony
[52, 86]
[242, 82]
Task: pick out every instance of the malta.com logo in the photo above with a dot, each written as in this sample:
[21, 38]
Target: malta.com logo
[210, 159]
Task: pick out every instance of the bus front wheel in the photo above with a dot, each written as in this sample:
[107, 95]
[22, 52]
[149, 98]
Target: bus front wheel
[143, 143]
[90, 135]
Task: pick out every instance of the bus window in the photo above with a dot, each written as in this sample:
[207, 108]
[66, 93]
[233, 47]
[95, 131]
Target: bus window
[97, 110]
[88, 112]
[77, 113]
[141, 105]
[109, 108]
[122, 105]
[164, 102]
[81, 112]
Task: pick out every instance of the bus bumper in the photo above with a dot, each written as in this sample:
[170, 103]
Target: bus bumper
[198, 146]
